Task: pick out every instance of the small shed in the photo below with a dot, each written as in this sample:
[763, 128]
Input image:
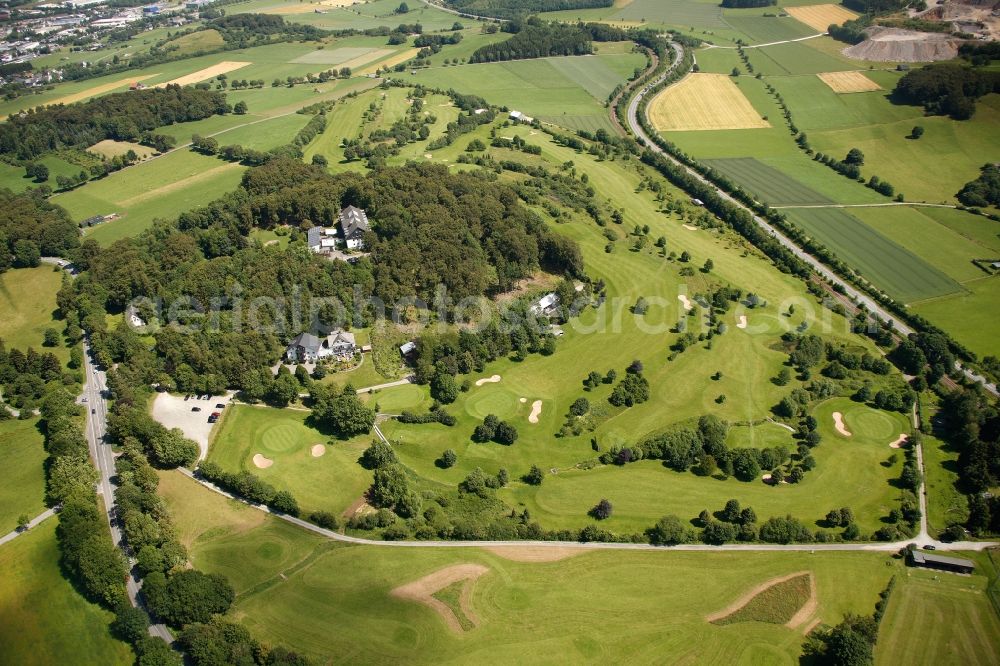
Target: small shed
[942, 562]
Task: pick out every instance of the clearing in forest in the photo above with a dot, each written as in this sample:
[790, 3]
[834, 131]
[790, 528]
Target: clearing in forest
[704, 102]
[223, 67]
[848, 82]
[821, 17]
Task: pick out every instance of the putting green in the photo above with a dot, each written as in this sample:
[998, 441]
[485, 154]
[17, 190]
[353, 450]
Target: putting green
[876, 425]
[396, 399]
[492, 399]
[279, 437]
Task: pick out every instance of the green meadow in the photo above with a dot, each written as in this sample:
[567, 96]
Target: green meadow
[293, 587]
[23, 456]
[45, 620]
[28, 302]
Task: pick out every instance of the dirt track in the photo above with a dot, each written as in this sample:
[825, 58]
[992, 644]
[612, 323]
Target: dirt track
[423, 589]
[745, 599]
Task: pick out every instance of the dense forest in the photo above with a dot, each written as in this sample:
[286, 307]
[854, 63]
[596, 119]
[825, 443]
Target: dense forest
[120, 116]
[741, 4]
[537, 39]
[875, 6]
[507, 9]
[983, 191]
[946, 89]
[31, 228]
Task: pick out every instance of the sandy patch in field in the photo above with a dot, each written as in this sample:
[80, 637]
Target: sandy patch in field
[309, 7]
[820, 17]
[742, 323]
[523, 400]
[898, 45]
[422, 591]
[536, 411]
[318, 450]
[848, 82]
[488, 380]
[533, 553]
[179, 185]
[898, 444]
[99, 90]
[365, 58]
[110, 148]
[689, 227]
[838, 423]
[746, 598]
[808, 608]
[260, 462]
[704, 102]
[223, 67]
[358, 506]
[402, 56]
[685, 301]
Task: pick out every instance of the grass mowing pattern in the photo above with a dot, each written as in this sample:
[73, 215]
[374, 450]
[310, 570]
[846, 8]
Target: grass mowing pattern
[767, 183]
[674, 12]
[590, 73]
[765, 29]
[451, 596]
[776, 604]
[902, 274]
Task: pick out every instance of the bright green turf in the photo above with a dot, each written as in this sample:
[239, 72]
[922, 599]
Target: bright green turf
[45, 620]
[945, 503]
[887, 264]
[848, 473]
[27, 303]
[936, 618]
[795, 58]
[24, 459]
[767, 183]
[971, 318]
[328, 483]
[651, 605]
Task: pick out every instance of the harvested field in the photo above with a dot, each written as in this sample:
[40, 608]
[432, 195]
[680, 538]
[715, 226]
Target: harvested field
[424, 589]
[402, 56]
[110, 148]
[848, 82]
[704, 102]
[99, 90]
[332, 56]
[821, 17]
[777, 601]
[223, 67]
[309, 7]
[898, 45]
[533, 553]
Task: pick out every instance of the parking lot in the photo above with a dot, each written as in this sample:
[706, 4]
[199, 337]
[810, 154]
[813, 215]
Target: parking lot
[173, 411]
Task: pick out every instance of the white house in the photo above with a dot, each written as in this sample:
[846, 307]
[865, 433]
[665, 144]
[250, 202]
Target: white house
[308, 348]
[353, 225]
[546, 305]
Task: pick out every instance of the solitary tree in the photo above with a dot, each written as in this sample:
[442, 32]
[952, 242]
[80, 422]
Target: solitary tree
[602, 510]
[916, 132]
[534, 476]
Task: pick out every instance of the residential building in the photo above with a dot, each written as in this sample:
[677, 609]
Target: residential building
[353, 225]
[309, 348]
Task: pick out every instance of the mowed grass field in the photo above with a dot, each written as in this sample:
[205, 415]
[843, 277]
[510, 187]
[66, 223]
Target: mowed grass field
[939, 618]
[567, 91]
[759, 29]
[23, 454]
[43, 619]
[652, 605]
[878, 258]
[28, 303]
[704, 101]
[767, 183]
[327, 483]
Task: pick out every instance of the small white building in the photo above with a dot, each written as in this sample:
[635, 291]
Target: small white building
[546, 305]
[353, 225]
[308, 348]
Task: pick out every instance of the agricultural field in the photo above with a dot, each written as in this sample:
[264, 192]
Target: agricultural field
[704, 102]
[934, 618]
[330, 481]
[759, 29]
[45, 620]
[23, 456]
[970, 317]
[767, 183]
[292, 587]
[342, 14]
[820, 17]
[848, 82]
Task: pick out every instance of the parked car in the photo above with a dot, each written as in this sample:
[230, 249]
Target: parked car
[93, 411]
[196, 409]
[220, 405]
[930, 546]
[213, 419]
[186, 398]
[216, 414]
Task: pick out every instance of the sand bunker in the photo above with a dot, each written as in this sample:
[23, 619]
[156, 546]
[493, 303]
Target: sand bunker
[689, 227]
[685, 301]
[838, 423]
[536, 410]
[533, 553]
[898, 45]
[742, 323]
[318, 450]
[488, 380]
[260, 462]
[223, 67]
[422, 591]
[766, 478]
[898, 444]
[748, 597]
[522, 400]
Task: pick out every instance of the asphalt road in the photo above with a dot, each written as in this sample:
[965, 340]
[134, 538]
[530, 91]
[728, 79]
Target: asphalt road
[858, 296]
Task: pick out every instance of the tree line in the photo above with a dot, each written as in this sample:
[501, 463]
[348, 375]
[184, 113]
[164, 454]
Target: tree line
[534, 38]
[31, 228]
[511, 9]
[946, 89]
